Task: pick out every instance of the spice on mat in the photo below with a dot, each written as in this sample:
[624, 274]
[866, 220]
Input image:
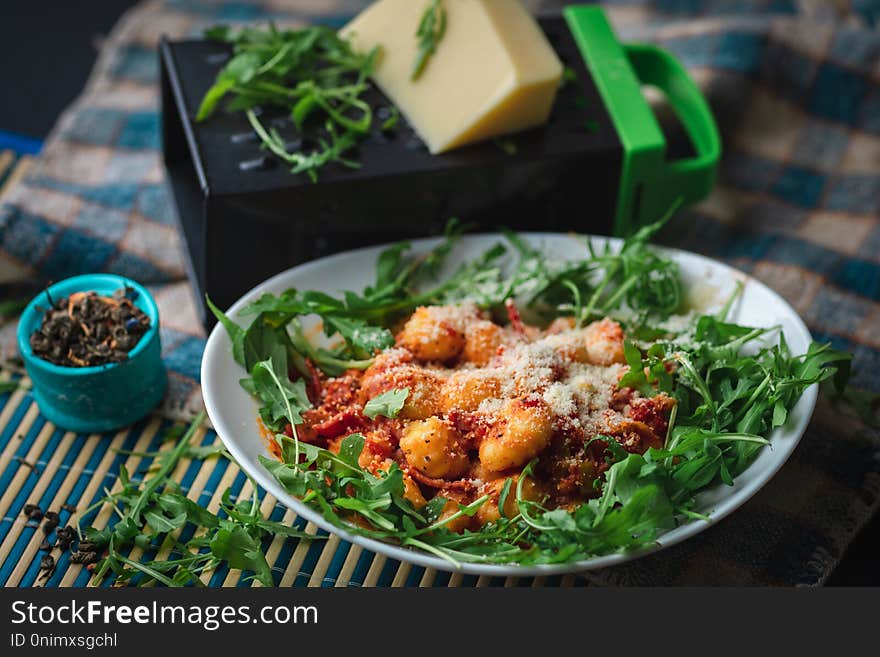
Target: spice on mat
[47, 567]
[32, 511]
[70, 508]
[45, 546]
[86, 329]
[86, 554]
[51, 522]
[65, 537]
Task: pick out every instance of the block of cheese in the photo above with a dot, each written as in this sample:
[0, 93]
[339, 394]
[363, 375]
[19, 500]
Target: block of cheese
[493, 72]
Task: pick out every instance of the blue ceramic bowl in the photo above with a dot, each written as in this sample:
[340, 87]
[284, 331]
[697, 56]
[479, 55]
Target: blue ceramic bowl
[102, 398]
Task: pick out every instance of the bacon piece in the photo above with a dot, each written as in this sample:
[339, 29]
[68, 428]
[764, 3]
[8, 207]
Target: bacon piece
[340, 423]
[464, 485]
[621, 398]
[304, 433]
[379, 445]
[471, 425]
[636, 437]
[654, 412]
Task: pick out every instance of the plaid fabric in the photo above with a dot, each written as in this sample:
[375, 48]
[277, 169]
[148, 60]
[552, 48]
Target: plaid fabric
[795, 86]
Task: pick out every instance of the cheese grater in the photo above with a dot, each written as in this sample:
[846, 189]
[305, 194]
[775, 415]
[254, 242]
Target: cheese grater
[601, 164]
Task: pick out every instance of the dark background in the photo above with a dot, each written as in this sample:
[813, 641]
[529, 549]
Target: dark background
[48, 48]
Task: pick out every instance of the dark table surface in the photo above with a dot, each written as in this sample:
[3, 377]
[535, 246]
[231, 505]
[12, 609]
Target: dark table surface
[48, 49]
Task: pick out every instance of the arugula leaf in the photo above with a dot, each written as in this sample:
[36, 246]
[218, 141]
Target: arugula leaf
[312, 74]
[153, 517]
[388, 404]
[177, 504]
[259, 342]
[389, 267]
[635, 376]
[233, 544]
[350, 449]
[712, 330]
[235, 332]
[204, 452]
[162, 523]
[364, 339]
[283, 400]
[218, 33]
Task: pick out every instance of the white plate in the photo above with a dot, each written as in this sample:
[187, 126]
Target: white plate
[233, 412]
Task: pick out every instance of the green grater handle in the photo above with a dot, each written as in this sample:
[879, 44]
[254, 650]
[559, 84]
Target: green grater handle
[649, 183]
[692, 178]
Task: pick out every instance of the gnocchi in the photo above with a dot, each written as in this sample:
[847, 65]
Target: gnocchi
[435, 448]
[482, 340]
[490, 511]
[432, 335]
[483, 400]
[466, 390]
[523, 433]
[600, 343]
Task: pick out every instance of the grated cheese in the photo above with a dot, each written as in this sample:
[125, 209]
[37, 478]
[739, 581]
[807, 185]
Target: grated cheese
[577, 393]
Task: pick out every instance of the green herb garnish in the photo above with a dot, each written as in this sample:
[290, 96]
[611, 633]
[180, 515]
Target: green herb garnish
[388, 404]
[432, 28]
[312, 74]
[393, 119]
[152, 516]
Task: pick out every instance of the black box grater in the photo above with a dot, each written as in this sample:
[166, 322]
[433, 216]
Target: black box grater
[593, 168]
